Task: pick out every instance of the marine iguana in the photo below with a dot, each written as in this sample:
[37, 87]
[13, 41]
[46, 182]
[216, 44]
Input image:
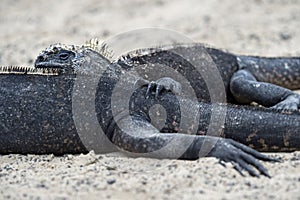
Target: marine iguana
[37, 113]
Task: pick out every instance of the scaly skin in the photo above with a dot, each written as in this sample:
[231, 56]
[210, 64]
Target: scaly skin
[37, 114]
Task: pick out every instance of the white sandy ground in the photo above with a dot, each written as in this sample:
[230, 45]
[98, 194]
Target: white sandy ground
[260, 27]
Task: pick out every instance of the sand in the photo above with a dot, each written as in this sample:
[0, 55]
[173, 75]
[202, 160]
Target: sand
[258, 27]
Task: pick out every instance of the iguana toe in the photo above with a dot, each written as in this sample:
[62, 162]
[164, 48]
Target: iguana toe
[164, 83]
[291, 103]
[242, 157]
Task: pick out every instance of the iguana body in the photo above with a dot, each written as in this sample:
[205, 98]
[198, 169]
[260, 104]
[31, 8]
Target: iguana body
[247, 79]
[37, 113]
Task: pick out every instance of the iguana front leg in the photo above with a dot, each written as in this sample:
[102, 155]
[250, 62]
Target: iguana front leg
[137, 137]
[246, 89]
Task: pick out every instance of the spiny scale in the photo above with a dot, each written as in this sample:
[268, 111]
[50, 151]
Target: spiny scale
[29, 70]
[102, 48]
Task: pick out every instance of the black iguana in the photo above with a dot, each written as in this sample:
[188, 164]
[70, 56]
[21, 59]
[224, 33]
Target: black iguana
[37, 113]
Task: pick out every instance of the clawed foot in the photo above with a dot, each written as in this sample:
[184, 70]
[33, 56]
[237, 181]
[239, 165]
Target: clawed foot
[291, 103]
[241, 156]
[161, 84]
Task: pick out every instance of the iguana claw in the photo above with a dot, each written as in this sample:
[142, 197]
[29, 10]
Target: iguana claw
[241, 156]
[161, 84]
[291, 103]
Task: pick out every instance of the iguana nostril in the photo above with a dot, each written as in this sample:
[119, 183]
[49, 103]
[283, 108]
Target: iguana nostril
[41, 58]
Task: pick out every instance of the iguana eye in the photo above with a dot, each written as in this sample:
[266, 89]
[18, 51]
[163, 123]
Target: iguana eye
[64, 55]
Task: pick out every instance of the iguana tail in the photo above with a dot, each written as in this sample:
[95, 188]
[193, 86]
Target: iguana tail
[260, 128]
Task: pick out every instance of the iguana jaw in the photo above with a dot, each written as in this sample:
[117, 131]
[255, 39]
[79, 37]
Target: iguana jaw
[52, 66]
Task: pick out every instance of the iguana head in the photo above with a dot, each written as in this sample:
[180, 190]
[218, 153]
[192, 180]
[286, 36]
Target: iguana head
[66, 59]
[60, 57]
[74, 59]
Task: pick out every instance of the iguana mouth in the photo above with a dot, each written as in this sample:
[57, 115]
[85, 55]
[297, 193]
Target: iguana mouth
[21, 70]
[49, 65]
